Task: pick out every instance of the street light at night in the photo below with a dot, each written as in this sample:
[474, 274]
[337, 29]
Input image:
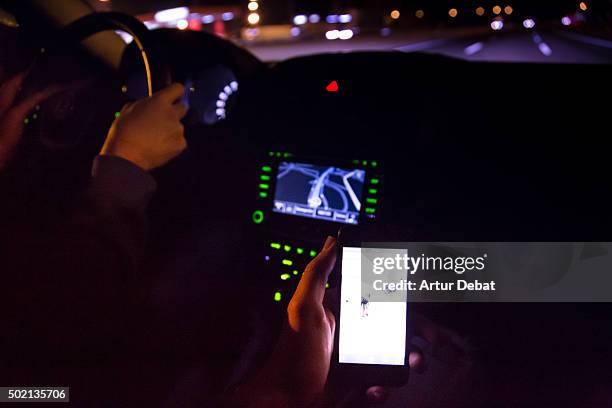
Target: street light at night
[253, 18]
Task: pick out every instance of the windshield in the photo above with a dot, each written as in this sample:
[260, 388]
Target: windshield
[514, 30]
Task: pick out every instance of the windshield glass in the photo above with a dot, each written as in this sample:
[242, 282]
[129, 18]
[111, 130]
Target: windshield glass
[514, 30]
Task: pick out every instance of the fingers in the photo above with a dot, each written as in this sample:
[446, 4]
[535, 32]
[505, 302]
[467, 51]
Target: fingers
[416, 361]
[180, 110]
[171, 93]
[22, 109]
[311, 288]
[332, 322]
[377, 394]
[9, 90]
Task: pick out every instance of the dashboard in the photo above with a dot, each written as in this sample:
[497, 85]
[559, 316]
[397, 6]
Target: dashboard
[298, 201]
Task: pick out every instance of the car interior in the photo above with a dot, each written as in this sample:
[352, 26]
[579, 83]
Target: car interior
[438, 148]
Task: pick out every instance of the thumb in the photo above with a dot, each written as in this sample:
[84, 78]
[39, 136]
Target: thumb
[311, 288]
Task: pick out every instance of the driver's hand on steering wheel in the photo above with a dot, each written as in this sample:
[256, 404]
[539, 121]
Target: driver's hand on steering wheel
[149, 132]
[12, 115]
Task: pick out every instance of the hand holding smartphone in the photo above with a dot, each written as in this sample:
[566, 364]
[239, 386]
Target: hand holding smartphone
[371, 345]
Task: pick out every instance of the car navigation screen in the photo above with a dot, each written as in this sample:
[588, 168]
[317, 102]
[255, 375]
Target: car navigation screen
[321, 192]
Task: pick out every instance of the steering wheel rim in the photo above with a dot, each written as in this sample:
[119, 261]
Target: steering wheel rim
[157, 70]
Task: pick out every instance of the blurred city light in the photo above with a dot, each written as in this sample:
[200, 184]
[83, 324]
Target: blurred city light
[251, 33]
[253, 18]
[227, 16]
[508, 10]
[253, 6]
[295, 31]
[453, 12]
[497, 25]
[395, 14]
[151, 25]
[385, 32]
[473, 48]
[497, 10]
[345, 34]
[480, 11]
[345, 18]
[173, 14]
[583, 6]
[545, 49]
[566, 21]
[182, 24]
[332, 19]
[332, 34]
[314, 18]
[528, 23]
[300, 19]
[419, 14]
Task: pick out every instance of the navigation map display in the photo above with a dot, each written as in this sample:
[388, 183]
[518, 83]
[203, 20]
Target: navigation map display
[322, 192]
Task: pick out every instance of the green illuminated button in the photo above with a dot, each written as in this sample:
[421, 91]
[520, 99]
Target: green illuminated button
[264, 177]
[372, 191]
[277, 296]
[267, 169]
[270, 154]
[285, 276]
[374, 181]
[287, 154]
[295, 272]
[327, 285]
[275, 245]
[117, 114]
[356, 161]
[264, 186]
[371, 200]
[278, 154]
[374, 163]
[313, 253]
[263, 194]
[300, 251]
[287, 262]
[365, 162]
[287, 248]
[258, 216]
[369, 210]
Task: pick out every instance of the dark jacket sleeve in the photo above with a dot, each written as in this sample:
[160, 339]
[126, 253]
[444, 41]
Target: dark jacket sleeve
[75, 289]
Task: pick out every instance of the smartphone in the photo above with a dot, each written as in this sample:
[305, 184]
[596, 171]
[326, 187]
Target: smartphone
[372, 339]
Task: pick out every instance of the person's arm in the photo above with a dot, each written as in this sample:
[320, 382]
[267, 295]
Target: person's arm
[296, 374]
[72, 288]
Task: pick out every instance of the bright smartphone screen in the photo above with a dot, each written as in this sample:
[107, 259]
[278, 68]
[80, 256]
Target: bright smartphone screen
[370, 332]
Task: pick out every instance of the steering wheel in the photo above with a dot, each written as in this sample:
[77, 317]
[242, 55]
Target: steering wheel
[157, 70]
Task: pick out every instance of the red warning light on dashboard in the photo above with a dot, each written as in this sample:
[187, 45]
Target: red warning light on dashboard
[332, 87]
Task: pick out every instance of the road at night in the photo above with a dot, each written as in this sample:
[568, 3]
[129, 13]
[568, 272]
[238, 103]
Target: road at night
[511, 46]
